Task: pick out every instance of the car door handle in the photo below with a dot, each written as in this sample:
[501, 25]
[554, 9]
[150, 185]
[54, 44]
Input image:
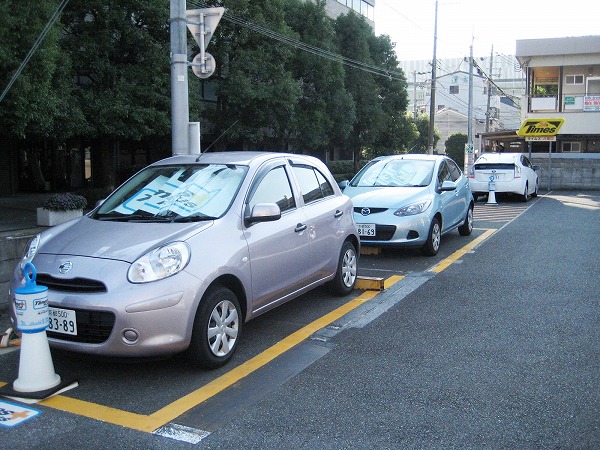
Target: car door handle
[338, 214]
[300, 227]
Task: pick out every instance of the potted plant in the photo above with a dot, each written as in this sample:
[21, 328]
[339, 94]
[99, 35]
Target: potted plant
[60, 208]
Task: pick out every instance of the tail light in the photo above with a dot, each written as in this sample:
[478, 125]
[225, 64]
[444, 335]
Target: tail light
[517, 171]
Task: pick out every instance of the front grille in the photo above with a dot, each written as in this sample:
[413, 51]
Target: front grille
[382, 233]
[70, 284]
[93, 327]
[358, 210]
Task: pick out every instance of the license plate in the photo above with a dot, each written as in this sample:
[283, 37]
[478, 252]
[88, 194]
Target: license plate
[62, 321]
[366, 229]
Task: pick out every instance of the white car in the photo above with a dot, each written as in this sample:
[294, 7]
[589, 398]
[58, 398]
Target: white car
[511, 173]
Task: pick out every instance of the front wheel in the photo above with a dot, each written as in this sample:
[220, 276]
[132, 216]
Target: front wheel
[467, 227]
[217, 328]
[345, 276]
[434, 238]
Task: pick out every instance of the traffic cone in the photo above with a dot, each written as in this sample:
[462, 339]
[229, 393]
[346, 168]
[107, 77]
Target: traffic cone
[491, 193]
[36, 369]
[37, 379]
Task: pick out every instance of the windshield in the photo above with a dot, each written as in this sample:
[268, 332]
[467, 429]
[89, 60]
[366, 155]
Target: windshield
[395, 172]
[175, 194]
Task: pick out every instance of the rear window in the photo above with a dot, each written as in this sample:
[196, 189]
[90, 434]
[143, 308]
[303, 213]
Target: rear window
[494, 166]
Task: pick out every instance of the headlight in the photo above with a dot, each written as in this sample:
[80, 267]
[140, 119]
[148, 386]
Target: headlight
[160, 263]
[411, 210]
[31, 250]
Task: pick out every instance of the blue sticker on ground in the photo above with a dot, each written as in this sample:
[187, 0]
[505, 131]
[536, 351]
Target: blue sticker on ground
[12, 415]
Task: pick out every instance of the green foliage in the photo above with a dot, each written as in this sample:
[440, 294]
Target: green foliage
[102, 76]
[455, 148]
[421, 143]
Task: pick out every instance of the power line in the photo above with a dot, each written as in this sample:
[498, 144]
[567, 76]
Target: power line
[287, 40]
[35, 46]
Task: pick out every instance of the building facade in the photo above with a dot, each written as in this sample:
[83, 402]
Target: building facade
[563, 81]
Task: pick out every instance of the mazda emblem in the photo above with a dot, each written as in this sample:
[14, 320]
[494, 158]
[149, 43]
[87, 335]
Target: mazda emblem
[65, 267]
[365, 211]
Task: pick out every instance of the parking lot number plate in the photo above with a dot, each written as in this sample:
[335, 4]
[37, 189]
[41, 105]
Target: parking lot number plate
[62, 321]
[366, 229]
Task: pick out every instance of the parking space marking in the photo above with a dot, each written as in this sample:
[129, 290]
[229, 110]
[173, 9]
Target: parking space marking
[150, 423]
[499, 213]
[443, 264]
[154, 421]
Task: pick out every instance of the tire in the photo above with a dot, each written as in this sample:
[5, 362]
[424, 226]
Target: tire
[434, 238]
[525, 195]
[535, 194]
[217, 328]
[467, 227]
[345, 276]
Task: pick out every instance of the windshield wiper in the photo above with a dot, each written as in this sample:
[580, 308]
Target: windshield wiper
[193, 219]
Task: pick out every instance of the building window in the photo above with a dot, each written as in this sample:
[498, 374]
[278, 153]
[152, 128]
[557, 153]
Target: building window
[574, 79]
[571, 147]
[454, 89]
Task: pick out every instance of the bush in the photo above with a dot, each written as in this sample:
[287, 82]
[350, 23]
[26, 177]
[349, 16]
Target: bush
[65, 202]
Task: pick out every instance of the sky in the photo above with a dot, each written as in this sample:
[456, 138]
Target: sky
[482, 23]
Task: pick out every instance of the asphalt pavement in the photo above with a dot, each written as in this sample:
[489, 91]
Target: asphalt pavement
[499, 350]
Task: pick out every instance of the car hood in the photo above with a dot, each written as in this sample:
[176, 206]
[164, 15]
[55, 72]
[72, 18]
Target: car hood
[385, 197]
[124, 241]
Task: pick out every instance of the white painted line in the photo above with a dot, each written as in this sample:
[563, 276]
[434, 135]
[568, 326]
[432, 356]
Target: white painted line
[181, 433]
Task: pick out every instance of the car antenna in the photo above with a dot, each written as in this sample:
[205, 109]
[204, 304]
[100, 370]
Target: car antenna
[217, 139]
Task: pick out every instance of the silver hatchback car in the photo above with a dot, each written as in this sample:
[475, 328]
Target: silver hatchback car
[191, 247]
[410, 200]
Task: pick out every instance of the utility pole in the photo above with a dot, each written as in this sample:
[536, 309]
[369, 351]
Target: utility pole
[415, 96]
[469, 145]
[180, 111]
[433, 83]
[470, 108]
[488, 116]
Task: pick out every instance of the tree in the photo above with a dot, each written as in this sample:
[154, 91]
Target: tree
[37, 103]
[455, 148]
[325, 111]
[394, 130]
[254, 85]
[120, 53]
[421, 143]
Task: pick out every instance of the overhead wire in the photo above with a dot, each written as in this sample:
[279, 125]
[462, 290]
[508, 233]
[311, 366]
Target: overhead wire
[35, 46]
[318, 51]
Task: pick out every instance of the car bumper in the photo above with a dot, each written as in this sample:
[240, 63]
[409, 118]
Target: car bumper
[396, 231]
[516, 186]
[124, 320]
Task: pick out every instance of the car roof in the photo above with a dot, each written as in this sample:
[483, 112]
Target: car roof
[230, 157]
[419, 156]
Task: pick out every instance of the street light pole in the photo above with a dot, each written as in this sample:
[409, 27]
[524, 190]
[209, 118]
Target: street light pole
[433, 82]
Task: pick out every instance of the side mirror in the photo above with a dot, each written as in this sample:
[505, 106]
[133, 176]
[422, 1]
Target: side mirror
[536, 167]
[262, 212]
[343, 184]
[448, 186]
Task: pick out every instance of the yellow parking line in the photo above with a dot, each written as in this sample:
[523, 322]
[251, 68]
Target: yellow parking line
[461, 252]
[149, 423]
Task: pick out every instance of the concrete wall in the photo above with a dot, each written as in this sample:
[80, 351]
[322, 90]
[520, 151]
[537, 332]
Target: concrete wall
[568, 170]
